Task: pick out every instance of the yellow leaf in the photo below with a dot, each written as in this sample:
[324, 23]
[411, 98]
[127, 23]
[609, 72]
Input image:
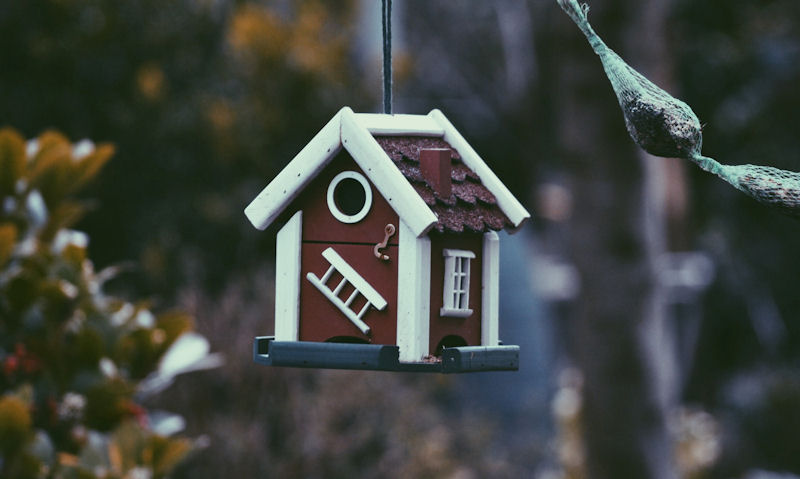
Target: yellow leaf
[53, 147]
[15, 422]
[69, 460]
[65, 215]
[8, 237]
[174, 324]
[114, 457]
[51, 166]
[257, 32]
[167, 453]
[126, 446]
[12, 160]
[88, 167]
[151, 81]
[50, 139]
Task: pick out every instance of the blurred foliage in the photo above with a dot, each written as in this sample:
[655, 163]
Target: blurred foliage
[71, 356]
[739, 66]
[289, 422]
[205, 100]
[695, 434]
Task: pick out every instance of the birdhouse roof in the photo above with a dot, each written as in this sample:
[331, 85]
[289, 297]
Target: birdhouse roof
[386, 148]
[470, 206]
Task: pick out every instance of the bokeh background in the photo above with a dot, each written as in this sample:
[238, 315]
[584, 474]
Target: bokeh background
[656, 307]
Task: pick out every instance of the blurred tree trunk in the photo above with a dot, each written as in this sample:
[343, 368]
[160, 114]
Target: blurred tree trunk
[617, 329]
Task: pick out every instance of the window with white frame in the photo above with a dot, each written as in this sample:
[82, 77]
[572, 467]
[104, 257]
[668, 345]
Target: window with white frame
[456, 283]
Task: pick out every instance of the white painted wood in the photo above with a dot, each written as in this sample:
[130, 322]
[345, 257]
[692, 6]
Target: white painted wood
[339, 214]
[328, 274]
[285, 187]
[455, 313]
[363, 310]
[413, 294]
[490, 314]
[461, 253]
[341, 285]
[382, 124]
[354, 278]
[355, 319]
[512, 208]
[350, 299]
[287, 279]
[447, 289]
[394, 187]
[455, 293]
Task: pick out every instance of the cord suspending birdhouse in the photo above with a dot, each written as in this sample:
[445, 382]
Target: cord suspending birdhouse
[387, 253]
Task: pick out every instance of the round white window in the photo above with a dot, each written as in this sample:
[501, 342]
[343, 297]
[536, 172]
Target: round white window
[349, 197]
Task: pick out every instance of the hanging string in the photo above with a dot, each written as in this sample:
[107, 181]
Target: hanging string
[387, 56]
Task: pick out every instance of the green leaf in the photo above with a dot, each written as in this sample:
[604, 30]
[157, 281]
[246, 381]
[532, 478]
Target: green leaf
[107, 404]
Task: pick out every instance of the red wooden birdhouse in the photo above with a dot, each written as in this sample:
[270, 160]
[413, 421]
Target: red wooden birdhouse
[387, 257]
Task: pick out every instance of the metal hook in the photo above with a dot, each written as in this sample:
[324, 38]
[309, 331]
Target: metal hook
[389, 231]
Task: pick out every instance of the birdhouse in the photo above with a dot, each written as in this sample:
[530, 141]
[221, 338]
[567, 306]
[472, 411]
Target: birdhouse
[387, 253]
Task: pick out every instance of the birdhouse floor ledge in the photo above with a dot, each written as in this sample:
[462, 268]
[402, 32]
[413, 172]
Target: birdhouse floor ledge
[378, 357]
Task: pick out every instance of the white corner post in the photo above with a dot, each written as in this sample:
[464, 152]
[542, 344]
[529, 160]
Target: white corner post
[287, 279]
[413, 294]
[490, 314]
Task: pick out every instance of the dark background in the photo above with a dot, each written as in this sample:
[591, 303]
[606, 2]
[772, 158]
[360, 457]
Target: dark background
[656, 364]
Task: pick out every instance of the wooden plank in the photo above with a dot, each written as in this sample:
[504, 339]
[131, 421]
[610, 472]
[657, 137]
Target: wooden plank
[393, 125]
[490, 315]
[305, 166]
[383, 173]
[413, 295]
[512, 208]
[287, 279]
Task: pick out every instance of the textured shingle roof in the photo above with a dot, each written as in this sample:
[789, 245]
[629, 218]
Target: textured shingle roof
[470, 207]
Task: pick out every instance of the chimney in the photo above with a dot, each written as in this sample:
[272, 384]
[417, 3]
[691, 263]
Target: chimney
[434, 164]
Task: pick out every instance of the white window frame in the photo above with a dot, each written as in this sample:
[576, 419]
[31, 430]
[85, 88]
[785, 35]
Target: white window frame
[455, 294]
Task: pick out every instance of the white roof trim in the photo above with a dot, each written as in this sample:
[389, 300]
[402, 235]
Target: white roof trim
[354, 132]
[512, 208]
[416, 125]
[296, 175]
[377, 165]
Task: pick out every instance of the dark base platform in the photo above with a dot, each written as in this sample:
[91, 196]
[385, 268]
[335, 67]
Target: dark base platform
[379, 357]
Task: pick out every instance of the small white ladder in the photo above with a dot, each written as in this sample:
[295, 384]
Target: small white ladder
[349, 275]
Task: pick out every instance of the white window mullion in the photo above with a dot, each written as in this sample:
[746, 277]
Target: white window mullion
[465, 283]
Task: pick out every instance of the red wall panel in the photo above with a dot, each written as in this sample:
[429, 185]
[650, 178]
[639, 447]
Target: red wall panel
[468, 328]
[321, 320]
